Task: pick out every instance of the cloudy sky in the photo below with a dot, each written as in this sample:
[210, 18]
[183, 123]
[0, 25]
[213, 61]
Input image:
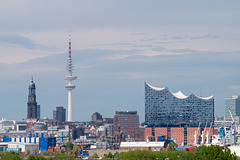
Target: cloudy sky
[192, 46]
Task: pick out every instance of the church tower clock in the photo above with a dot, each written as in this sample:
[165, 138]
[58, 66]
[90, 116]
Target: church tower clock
[32, 104]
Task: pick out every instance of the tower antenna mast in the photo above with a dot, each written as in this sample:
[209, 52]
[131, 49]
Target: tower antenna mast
[70, 78]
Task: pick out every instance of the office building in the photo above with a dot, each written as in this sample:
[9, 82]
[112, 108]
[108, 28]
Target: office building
[59, 114]
[127, 122]
[234, 104]
[164, 108]
[97, 117]
[77, 132]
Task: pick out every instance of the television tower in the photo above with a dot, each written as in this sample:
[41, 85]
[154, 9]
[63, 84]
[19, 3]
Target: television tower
[70, 78]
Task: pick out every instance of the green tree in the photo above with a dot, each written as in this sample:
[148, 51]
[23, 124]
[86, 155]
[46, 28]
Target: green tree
[172, 146]
[214, 153]
[62, 156]
[31, 157]
[116, 155]
[17, 157]
[95, 155]
[27, 152]
[97, 124]
[109, 155]
[75, 150]
[199, 148]
[69, 146]
[40, 158]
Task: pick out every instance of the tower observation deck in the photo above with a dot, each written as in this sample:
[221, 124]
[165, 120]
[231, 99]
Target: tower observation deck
[70, 78]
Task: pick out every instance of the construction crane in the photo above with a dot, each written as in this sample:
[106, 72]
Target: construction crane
[196, 134]
[208, 133]
[203, 134]
[233, 127]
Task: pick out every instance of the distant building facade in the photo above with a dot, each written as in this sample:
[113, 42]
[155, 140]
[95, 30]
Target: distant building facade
[164, 108]
[181, 135]
[97, 117]
[38, 112]
[108, 120]
[221, 121]
[109, 130]
[32, 104]
[234, 104]
[59, 114]
[77, 132]
[127, 122]
[7, 124]
[141, 132]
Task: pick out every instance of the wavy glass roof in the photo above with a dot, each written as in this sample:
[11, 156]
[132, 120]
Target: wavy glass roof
[178, 94]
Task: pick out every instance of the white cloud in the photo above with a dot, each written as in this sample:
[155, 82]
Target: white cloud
[144, 43]
[11, 54]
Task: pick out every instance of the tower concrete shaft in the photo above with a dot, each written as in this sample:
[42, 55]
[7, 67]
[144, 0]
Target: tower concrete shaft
[70, 78]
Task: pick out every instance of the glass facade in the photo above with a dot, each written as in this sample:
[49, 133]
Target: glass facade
[164, 108]
[234, 104]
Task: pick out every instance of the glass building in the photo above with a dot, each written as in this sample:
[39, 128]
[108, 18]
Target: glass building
[164, 108]
[234, 104]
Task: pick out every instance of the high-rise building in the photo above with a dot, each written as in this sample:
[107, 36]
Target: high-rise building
[97, 117]
[38, 111]
[70, 78]
[59, 114]
[164, 108]
[32, 104]
[127, 122]
[234, 104]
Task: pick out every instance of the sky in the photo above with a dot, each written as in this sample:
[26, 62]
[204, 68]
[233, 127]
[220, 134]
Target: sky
[117, 46]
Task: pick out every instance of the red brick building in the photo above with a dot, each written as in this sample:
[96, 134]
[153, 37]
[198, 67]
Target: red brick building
[190, 135]
[127, 122]
[182, 135]
[141, 133]
[160, 131]
[177, 133]
[147, 133]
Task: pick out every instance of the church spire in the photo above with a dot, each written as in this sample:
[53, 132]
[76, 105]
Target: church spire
[32, 111]
[32, 87]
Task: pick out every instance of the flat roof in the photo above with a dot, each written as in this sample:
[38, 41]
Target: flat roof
[142, 144]
[126, 112]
